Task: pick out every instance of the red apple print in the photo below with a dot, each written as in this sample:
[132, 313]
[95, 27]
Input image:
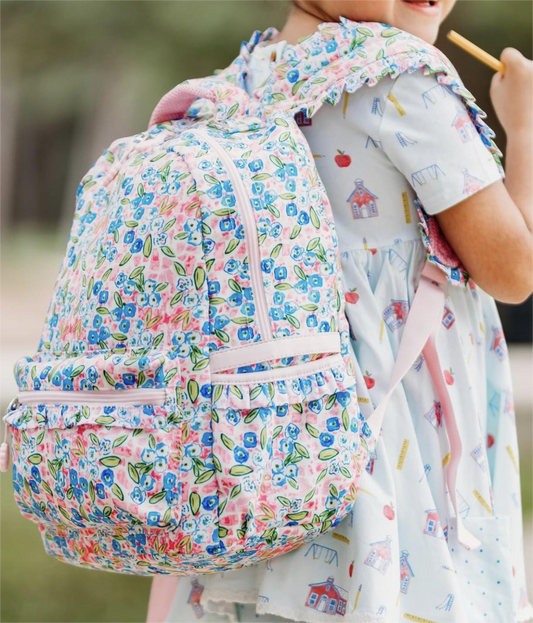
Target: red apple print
[351, 296]
[490, 440]
[388, 512]
[350, 571]
[373, 251]
[369, 380]
[342, 159]
[448, 375]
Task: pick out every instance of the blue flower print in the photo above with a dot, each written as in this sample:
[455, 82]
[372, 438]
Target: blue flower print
[153, 518]
[169, 481]
[333, 424]
[240, 454]
[292, 430]
[108, 477]
[250, 440]
[138, 495]
[326, 439]
[255, 165]
[210, 502]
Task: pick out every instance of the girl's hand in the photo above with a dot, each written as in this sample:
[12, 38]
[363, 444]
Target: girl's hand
[512, 93]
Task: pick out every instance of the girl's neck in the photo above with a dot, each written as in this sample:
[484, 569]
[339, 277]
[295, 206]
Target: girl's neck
[300, 24]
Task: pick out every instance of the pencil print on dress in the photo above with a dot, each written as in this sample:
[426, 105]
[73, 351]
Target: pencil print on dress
[379, 557]
[327, 597]
[464, 126]
[471, 184]
[406, 572]
[433, 525]
[430, 173]
[362, 201]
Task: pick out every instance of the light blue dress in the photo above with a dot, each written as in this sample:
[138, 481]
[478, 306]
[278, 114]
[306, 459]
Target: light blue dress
[391, 559]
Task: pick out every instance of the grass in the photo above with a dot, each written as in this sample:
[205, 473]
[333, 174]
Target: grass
[37, 588]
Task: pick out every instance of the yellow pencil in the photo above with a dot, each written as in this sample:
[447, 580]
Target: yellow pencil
[476, 51]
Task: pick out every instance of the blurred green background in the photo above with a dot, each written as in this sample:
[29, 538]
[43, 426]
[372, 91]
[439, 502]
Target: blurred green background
[74, 77]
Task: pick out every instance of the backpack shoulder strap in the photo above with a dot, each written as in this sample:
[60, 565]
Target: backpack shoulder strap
[228, 99]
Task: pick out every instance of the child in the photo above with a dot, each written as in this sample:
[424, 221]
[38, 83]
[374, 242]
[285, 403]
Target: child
[391, 560]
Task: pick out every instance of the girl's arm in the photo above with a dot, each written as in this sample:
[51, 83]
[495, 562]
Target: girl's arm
[491, 231]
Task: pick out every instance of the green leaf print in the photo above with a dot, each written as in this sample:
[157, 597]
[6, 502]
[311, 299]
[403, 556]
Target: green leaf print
[117, 491]
[180, 269]
[194, 502]
[147, 247]
[231, 246]
[193, 390]
[232, 110]
[312, 431]
[240, 470]
[120, 440]
[205, 476]
[314, 218]
[157, 497]
[210, 179]
[295, 232]
[168, 251]
[134, 474]
[199, 277]
[301, 449]
[297, 516]
[235, 491]
[285, 501]
[111, 461]
[297, 86]
[77, 371]
[105, 420]
[35, 459]
[125, 259]
[229, 443]
[326, 455]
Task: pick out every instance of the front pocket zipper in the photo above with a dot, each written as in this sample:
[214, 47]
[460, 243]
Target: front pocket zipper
[250, 231]
[104, 397]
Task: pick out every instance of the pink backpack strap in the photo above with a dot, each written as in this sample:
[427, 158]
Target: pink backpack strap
[162, 595]
[420, 335]
[174, 104]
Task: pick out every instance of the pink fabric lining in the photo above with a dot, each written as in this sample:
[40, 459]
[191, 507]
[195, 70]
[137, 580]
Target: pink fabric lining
[176, 102]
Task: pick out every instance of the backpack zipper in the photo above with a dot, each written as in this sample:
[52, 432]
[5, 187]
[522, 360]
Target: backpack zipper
[103, 397]
[250, 230]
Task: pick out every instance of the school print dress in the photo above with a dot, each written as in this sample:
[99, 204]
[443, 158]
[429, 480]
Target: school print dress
[390, 559]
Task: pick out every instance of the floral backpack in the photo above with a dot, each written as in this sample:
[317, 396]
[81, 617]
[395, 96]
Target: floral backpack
[192, 405]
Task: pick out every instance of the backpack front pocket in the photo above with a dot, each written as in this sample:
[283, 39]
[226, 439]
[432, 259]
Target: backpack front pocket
[98, 458]
[287, 448]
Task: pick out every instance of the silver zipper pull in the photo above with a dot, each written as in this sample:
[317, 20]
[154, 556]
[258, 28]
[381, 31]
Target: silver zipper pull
[4, 446]
[4, 452]
[13, 405]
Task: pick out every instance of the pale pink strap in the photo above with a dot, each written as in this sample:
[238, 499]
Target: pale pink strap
[419, 335]
[176, 102]
[425, 314]
[162, 595]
